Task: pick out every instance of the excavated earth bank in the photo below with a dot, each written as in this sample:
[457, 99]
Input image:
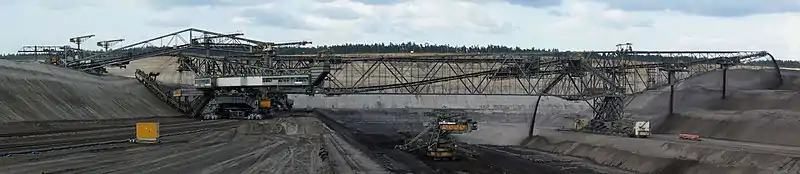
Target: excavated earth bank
[40, 92]
[751, 131]
[755, 108]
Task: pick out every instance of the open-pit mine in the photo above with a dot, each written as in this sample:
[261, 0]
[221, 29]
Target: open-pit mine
[223, 103]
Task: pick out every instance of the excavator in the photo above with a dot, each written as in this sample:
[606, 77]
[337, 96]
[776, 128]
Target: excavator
[436, 140]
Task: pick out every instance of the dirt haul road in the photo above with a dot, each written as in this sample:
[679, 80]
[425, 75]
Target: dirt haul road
[283, 145]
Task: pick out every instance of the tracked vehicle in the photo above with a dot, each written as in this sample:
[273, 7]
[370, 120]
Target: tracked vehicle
[436, 140]
[235, 80]
[250, 97]
[236, 97]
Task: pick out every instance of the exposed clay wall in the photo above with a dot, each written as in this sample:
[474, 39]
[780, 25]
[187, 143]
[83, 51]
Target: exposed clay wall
[165, 65]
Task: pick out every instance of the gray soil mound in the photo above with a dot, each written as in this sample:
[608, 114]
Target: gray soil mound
[284, 126]
[39, 92]
[756, 109]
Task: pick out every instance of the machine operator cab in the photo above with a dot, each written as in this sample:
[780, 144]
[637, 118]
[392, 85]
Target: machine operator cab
[203, 83]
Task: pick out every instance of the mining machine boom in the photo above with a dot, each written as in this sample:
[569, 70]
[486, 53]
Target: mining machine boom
[436, 140]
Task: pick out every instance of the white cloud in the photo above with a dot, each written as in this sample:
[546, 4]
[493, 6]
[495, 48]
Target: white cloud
[239, 20]
[571, 24]
[581, 13]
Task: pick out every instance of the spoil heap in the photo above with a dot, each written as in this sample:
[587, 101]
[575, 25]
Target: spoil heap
[40, 92]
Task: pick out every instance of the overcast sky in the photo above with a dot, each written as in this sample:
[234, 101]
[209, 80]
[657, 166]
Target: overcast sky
[772, 25]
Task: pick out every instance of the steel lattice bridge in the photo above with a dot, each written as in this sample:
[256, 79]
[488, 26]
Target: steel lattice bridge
[602, 78]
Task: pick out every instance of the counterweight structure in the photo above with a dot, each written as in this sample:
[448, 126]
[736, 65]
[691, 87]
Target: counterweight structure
[436, 140]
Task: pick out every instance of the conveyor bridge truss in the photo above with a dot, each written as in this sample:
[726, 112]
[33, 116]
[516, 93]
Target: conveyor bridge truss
[571, 75]
[602, 78]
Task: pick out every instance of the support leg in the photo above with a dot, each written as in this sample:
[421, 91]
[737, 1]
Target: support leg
[671, 79]
[533, 120]
[724, 82]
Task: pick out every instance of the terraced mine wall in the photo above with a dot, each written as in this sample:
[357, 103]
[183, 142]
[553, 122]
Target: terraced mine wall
[755, 116]
[40, 92]
[754, 107]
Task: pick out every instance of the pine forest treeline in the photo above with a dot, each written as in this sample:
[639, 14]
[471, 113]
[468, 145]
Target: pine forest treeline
[425, 48]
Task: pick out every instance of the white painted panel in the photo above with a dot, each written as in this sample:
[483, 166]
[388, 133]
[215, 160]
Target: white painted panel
[229, 81]
[253, 81]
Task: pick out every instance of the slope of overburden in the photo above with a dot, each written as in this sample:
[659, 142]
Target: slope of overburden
[750, 131]
[39, 92]
[754, 106]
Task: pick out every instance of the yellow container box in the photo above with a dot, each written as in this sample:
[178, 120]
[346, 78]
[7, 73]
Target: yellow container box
[147, 132]
[265, 104]
[453, 127]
